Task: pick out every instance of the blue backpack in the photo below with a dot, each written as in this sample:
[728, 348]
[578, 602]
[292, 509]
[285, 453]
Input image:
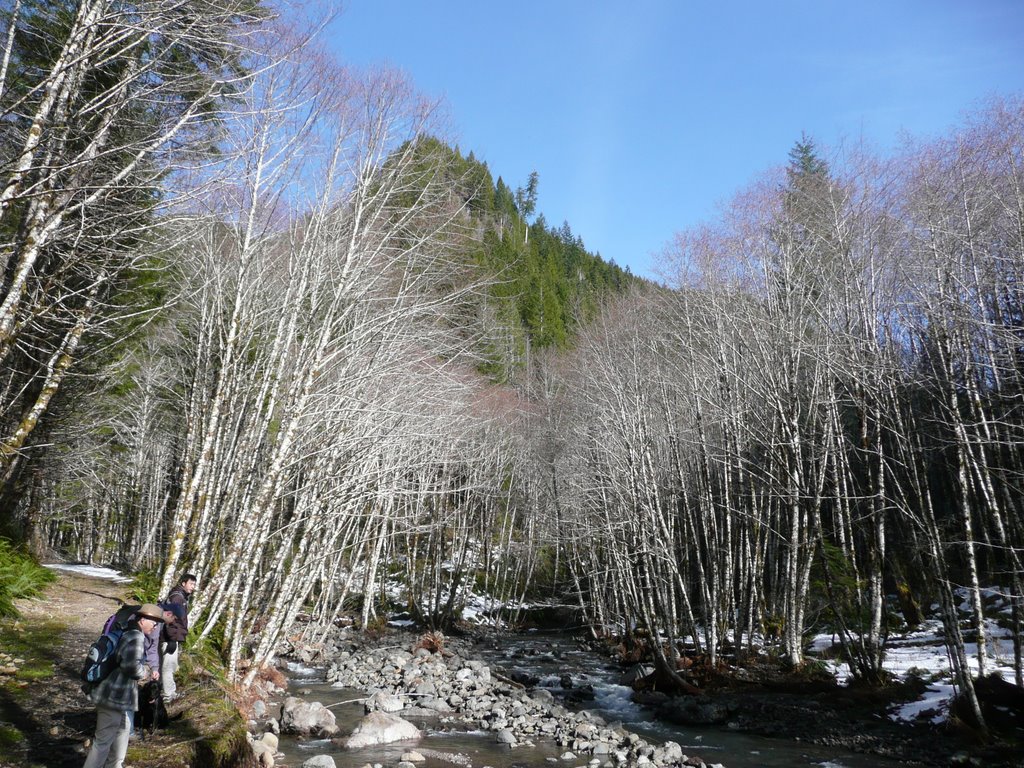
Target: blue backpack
[101, 659]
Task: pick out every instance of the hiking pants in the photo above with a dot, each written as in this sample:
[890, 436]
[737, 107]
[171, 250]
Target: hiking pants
[111, 741]
[168, 667]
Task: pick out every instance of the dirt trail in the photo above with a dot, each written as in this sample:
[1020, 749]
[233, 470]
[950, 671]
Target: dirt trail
[51, 712]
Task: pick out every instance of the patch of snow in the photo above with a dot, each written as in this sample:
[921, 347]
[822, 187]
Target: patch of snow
[842, 671]
[922, 653]
[824, 642]
[96, 571]
[996, 593]
[935, 701]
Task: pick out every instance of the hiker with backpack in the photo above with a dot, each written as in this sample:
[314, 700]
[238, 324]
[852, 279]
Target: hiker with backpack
[113, 677]
[176, 632]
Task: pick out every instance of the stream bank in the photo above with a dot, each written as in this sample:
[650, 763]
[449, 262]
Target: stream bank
[549, 695]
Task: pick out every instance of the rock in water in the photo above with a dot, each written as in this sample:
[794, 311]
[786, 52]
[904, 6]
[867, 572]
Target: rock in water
[383, 702]
[380, 728]
[312, 717]
[271, 741]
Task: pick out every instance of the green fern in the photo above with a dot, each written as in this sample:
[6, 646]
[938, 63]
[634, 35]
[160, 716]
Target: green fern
[20, 576]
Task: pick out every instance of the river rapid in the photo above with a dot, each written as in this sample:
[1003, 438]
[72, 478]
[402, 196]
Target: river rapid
[552, 657]
[576, 677]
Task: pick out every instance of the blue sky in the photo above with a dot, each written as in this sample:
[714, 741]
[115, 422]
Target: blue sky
[641, 117]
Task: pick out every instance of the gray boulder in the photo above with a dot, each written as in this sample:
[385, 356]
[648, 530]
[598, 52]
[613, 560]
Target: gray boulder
[307, 717]
[542, 696]
[436, 705]
[264, 754]
[320, 761]
[506, 736]
[381, 728]
[270, 740]
[383, 702]
[673, 752]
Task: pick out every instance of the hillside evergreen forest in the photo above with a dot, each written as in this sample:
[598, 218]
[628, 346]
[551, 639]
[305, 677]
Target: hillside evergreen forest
[258, 322]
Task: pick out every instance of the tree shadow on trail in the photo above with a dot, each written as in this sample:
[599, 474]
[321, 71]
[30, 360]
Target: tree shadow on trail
[116, 602]
[40, 747]
[44, 714]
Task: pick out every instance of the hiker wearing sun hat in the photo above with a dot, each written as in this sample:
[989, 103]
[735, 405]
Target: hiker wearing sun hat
[117, 696]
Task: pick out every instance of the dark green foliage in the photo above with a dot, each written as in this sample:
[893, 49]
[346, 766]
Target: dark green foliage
[545, 283]
[835, 579]
[526, 197]
[145, 587]
[804, 161]
[20, 576]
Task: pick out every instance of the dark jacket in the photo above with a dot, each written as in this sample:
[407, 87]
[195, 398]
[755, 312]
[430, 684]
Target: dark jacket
[177, 601]
[120, 689]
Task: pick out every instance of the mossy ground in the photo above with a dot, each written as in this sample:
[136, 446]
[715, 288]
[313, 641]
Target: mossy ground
[31, 642]
[10, 736]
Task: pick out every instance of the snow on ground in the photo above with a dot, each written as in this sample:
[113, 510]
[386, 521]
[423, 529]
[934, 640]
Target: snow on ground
[923, 653]
[933, 705]
[96, 571]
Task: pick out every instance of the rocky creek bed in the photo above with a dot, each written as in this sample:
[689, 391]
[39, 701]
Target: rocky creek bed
[403, 681]
[399, 679]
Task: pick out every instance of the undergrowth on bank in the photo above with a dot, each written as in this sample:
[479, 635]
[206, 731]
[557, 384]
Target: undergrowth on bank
[210, 731]
[145, 587]
[20, 576]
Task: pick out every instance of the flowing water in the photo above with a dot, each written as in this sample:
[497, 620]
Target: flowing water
[550, 659]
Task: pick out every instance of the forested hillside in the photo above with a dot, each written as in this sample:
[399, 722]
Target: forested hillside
[539, 284]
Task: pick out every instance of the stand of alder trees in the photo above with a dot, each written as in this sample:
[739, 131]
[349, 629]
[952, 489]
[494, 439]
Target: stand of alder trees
[823, 411]
[303, 401]
[820, 411]
[326, 397]
[106, 103]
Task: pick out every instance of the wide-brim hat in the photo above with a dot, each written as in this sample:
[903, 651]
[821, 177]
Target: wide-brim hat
[150, 611]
